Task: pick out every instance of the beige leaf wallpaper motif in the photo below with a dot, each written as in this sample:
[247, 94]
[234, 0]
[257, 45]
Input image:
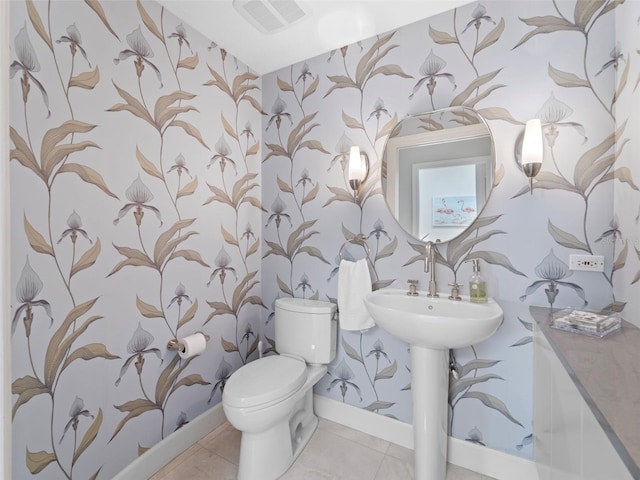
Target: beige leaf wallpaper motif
[161, 188]
[135, 166]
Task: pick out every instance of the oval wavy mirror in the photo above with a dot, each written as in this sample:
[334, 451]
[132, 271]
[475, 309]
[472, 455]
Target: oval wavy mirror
[437, 172]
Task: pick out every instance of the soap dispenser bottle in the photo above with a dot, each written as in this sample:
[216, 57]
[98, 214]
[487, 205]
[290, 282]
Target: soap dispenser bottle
[477, 285]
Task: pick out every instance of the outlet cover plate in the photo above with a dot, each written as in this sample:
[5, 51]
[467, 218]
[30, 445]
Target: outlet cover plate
[587, 263]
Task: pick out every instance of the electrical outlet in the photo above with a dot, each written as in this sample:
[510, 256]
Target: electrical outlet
[588, 263]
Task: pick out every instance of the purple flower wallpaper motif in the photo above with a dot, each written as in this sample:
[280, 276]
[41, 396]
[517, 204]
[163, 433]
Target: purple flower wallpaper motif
[139, 197]
[28, 288]
[430, 71]
[141, 50]
[118, 232]
[28, 64]
[552, 271]
[138, 347]
[74, 39]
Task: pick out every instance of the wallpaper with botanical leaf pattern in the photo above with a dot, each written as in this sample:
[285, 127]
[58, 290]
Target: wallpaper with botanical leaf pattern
[510, 61]
[160, 188]
[624, 231]
[136, 211]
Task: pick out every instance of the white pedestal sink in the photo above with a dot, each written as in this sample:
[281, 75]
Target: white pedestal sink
[432, 326]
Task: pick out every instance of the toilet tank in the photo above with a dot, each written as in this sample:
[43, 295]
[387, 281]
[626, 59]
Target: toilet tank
[306, 328]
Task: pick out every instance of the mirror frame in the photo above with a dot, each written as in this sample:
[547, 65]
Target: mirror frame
[397, 142]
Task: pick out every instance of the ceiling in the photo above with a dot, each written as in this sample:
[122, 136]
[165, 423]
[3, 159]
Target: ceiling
[327, 25]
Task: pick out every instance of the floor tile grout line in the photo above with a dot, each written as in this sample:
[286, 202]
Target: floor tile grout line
[384, 456]
[375, 476]
[373, 450]
[174, 463]
[330, 430]
[356, 442]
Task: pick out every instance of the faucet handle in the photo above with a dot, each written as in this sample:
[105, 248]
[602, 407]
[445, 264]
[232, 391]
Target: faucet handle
[413, 288]
[455, 291]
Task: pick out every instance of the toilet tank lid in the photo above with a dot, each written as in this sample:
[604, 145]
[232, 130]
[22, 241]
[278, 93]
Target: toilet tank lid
[305, 305]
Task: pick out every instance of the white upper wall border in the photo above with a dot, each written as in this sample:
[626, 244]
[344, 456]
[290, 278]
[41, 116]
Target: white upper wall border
[330, 24]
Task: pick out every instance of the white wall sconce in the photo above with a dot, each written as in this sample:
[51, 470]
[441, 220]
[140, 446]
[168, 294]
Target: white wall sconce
[358, 168]
[531, 150]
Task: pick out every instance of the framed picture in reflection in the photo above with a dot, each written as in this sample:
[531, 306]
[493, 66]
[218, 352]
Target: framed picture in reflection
[454, 211]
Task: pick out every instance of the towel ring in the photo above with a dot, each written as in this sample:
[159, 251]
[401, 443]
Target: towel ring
[357, 240]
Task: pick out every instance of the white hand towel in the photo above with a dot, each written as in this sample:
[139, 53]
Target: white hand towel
[354, 282]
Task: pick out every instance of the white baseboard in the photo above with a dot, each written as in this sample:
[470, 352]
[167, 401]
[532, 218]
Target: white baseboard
[486, 461]
[388, 429]
[490, 462]
[166, 450]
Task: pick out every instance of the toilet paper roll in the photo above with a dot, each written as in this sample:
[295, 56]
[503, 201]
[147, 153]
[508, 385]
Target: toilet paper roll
[192, 345]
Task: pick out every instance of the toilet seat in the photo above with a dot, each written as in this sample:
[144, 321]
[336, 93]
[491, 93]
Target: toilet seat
[264, 381]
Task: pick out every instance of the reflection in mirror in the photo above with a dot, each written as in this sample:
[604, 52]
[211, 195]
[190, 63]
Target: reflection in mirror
[437, 172]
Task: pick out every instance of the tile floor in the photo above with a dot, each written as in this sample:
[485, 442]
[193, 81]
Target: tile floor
[334, 452]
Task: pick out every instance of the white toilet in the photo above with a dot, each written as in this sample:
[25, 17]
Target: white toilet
[270, 400]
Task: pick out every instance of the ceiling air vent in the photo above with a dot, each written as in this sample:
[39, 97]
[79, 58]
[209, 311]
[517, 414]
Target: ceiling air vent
[269, 16]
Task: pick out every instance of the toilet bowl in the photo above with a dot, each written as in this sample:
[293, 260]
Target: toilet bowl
[270, 400]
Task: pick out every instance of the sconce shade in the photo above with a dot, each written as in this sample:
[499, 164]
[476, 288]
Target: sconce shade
[532, 147]
[357, 167]
[532, 150]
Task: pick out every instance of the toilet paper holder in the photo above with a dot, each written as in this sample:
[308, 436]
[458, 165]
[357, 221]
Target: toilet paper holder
[174, 344]
[189, 346]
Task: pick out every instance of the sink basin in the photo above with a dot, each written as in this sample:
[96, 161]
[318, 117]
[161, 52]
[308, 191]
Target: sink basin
[431, 326]
[437, 323]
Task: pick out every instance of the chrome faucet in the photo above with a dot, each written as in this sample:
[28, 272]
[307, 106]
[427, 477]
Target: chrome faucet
[430, 267]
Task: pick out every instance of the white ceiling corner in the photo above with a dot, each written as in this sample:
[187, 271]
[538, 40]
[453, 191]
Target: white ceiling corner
[329, 24]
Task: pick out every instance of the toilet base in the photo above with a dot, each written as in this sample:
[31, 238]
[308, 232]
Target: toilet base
[268, 455]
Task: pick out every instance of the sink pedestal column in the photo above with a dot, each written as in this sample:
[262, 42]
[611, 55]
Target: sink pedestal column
[430, 390]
